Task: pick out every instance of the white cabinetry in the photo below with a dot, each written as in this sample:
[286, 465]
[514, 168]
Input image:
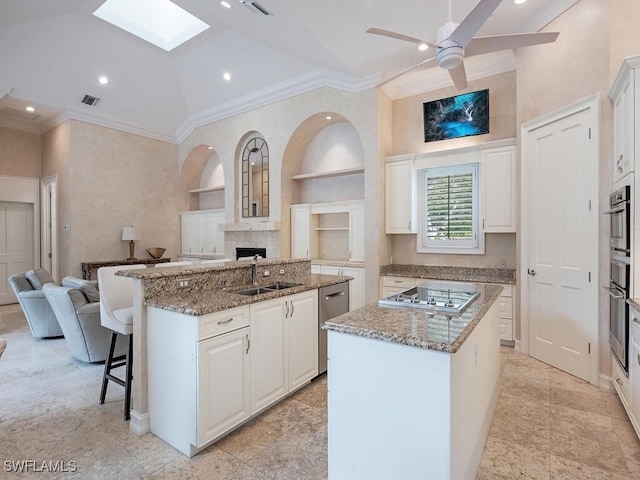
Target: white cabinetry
[506, 303]
[284, 334]
[356, 286]
[634, 369]
[198, 375]
[390, 285]
[200, 232]
[304, 240]
[305, 228]
[625, 122]
[400, 195]
[499, 187]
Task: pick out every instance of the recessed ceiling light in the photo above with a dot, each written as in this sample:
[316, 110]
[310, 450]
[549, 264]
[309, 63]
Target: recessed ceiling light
[226, 76]
[103, 80]
[210, 148]
[328, 117]
[225, 4]
[30, 109]
[422, 47]
[518, 2]
[160, 22]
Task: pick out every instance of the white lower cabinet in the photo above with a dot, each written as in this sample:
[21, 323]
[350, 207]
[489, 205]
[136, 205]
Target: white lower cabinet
[223, 384]
[634, 369]
[356, 286]
[208, 374]
[506, 303]
[390, 285]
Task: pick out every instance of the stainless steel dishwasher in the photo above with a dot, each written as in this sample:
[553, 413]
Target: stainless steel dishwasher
[334, 301]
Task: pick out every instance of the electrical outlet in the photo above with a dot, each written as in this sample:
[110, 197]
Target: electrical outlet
[182, 282]
[282, 271]
[266, 273]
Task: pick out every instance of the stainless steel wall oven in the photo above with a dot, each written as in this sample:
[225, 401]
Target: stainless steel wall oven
[619, 311]
[620, 212]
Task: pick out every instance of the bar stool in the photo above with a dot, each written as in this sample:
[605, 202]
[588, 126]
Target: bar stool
[116, 314]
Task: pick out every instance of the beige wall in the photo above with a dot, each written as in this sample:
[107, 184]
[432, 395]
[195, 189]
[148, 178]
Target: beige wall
[20, 153]
[408, 137]
[108, 179]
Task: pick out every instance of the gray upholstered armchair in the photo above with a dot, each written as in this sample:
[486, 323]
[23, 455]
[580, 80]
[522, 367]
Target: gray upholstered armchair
[76, 304]
[28, 289]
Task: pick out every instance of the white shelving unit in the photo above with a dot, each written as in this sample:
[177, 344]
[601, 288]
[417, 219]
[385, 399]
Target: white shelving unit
[330, 173]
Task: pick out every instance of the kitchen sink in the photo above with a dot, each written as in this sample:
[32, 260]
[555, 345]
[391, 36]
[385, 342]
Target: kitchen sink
[255, 291]
[268, 289]
[281, 285]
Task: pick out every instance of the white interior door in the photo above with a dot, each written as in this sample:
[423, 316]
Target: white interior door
[560, 243]
[16, 244]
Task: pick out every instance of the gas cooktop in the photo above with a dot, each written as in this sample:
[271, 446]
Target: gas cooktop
[430, 296]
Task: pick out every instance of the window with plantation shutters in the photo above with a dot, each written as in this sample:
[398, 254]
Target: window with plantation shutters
[449, 213]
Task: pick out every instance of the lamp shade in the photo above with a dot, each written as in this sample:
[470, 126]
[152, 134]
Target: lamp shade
[130, 233]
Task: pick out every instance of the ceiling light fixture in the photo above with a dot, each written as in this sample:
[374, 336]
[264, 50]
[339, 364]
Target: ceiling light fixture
[160, 22]
[29, 108]
[328, 117]
[422, 47]
[103, 80]
[226, 76]
[225, 4]
[518, 2]
[210, 147]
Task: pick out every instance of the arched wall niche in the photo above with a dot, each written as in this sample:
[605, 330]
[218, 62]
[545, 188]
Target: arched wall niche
[202, 168]
[312, 138]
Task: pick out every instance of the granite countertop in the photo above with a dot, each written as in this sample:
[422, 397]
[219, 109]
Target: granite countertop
[459, 274]
[209, 301]
[415, 327]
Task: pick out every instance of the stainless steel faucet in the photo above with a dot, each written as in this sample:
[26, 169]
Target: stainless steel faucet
[254, 270]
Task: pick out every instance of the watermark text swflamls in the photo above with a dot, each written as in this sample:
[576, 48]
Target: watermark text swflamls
[23, 466]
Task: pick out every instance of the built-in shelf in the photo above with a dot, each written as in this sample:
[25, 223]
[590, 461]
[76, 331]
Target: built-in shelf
[332, 173]
[207, 189]
[321, 229]
[249, 226]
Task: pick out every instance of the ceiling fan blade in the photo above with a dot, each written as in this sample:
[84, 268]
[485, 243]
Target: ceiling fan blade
[421, 64]
[472, 23]
[495, 43]
[399, 36]
[459, 76]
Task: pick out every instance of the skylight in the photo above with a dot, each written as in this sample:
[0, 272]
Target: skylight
[160, 22]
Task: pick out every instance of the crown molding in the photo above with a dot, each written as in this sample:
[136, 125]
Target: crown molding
[546, 15]
[73, 114]
[290, 88]
[436, 77]
[21, 125]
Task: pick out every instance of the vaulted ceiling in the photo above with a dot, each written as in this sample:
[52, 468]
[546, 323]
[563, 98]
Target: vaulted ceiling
[53, 51]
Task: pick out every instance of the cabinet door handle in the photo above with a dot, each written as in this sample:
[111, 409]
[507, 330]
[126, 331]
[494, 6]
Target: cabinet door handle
[224, 322]
[286, 315]
[248, 343]
[292, 309]
[409, 225]
[635, 319]
[618, 381]
[639, 359]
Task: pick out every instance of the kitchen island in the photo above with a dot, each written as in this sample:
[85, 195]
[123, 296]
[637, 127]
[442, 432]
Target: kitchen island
[412, 393]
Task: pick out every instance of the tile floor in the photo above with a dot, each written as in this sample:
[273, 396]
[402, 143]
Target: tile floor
[548, 425]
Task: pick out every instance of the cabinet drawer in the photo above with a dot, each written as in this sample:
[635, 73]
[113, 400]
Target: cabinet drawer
[506, 307]
[221, 322]
[620, 381]
[506, 329]
[507, 290]
[391, 281]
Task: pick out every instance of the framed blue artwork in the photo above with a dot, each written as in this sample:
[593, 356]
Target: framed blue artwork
[454, 117]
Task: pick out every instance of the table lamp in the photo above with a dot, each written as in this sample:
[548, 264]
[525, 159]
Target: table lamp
[131, 234]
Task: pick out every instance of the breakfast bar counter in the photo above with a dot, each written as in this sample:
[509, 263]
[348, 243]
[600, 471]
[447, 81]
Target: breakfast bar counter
[412, 392]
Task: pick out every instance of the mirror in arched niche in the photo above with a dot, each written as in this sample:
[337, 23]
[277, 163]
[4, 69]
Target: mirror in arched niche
[254, 176]
[331, 164]
[202, 174]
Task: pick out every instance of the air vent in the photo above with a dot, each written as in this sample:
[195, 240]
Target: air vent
[15, 113]
[255, 7]
[91, 101]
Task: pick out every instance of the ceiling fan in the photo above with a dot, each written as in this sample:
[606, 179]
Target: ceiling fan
[456, 41]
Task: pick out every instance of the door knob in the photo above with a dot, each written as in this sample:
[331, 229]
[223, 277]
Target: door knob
[531, 272]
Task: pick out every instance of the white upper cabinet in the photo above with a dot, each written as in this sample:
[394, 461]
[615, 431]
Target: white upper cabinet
[400, 195]
[356, 233]
[499, 187]
[304, 241]
[626, 105]
[200, 232]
